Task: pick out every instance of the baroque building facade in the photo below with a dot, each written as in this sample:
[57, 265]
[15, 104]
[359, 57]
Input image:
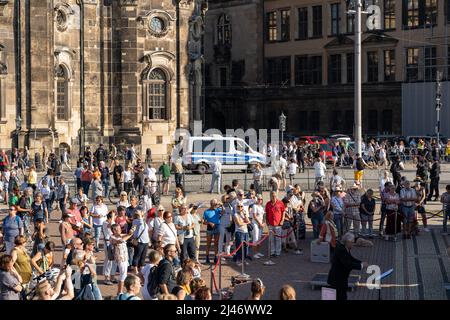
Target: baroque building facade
[296, 57]
[83, 72]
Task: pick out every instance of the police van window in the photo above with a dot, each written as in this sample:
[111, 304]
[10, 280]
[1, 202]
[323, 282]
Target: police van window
[241, 146]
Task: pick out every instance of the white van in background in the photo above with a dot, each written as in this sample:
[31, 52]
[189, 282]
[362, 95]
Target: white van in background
[198, 153]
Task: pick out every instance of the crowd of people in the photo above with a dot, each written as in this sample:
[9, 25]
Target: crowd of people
[153, 252]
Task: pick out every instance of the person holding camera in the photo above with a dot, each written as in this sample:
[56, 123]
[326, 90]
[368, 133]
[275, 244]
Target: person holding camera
[45, 291]
[211, 218]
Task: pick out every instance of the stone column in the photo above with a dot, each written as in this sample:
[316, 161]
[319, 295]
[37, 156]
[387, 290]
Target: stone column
[131, 114]
[92, 69]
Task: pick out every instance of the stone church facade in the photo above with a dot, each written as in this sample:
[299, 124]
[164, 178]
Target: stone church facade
[142, 76]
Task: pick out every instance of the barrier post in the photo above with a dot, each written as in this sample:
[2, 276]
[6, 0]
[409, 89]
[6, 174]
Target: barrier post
[307, 172]
[269, 262]
[211, 280]
[242, 259]
[220, 278]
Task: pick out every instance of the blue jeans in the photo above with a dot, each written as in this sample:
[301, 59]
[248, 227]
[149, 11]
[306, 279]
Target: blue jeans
[97, 233]
[409, 214]
[86, 185]
[214, 178]
[105, 184]
[337, 217]
[316, 220]
[49, 204]
[239, 238]
[62, 206]
[178, 178]
[446, 217]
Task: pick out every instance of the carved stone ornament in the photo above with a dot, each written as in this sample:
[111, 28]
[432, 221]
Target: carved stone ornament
[3, 68]
[63, 11]
[196, 28]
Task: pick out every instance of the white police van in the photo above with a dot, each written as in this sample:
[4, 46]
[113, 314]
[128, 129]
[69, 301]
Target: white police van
[198, 153]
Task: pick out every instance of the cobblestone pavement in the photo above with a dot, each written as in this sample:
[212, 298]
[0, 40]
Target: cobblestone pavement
[421, 265]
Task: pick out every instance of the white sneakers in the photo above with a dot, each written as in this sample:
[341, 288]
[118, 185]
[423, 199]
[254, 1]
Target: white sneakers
[426, 229]
[259, 255]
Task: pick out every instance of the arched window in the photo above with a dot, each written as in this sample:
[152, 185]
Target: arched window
[62, 94]
[223, 30]
[157, 95]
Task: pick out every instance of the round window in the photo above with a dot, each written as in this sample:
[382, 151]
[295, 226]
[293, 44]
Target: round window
[157, 25]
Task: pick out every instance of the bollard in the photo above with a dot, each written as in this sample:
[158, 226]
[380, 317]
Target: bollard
[245, 180]
[242, 259]
[307, 172]
[211, 280]
[269, 262]
[220, 278]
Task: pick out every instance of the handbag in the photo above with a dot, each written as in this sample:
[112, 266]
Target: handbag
[250, 227]
[134, 241]
[110, 252]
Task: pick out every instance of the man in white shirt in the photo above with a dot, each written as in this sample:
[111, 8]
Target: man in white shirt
[292, 170]
[319, 170]
[216, 176]
[282, 170]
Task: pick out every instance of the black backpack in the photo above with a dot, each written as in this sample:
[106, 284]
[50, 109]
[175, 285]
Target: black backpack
[152, 282]
[359, 164]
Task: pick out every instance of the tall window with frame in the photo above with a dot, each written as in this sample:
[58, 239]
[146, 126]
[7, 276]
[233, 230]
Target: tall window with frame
[278, 71]
[350, 20]
[224, 30]
[301, 70]
[271, 20]
[315, 65]
[334, 69]
[285, 25]
[317, 21]
[372, 66]
[412, 64]
[373, 121]
[389, 14]
[411, 13]
[61, 94]
[447, 11]
[387, 121]
[389, 65]
[157, 95]
[430, 63]
[302, 23]
[350, 67]
[430, 13]
[314, 121]
[335, 18]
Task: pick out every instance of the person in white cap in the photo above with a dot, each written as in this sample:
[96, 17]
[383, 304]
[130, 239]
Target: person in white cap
[352, 201]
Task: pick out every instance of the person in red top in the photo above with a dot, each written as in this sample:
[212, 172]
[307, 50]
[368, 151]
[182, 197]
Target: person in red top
[75, 217]
[86, 178]
[275, 218]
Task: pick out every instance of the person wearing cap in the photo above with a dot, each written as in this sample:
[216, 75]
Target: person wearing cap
[123, 200]
[352, 201]
[337, 207]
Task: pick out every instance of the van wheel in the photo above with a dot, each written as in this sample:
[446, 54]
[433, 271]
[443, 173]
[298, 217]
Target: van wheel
[202, 168]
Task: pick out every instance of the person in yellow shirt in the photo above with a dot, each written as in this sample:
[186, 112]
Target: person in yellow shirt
[447, 151]
[32, 178]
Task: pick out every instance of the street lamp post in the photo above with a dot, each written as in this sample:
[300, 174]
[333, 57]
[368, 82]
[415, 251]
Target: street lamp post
[282, 128]
[438, 105]
[358, 124]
